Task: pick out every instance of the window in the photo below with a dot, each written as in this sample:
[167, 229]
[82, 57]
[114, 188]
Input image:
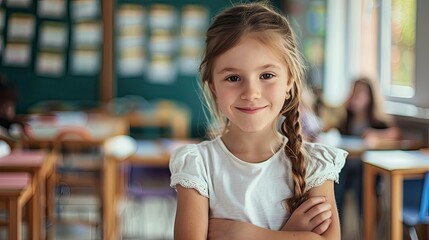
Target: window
[397, 45]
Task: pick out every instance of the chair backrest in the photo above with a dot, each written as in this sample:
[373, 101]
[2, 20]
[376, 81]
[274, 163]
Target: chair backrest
[424, 203]
[416, 195]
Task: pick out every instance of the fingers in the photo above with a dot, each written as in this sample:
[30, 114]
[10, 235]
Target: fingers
[316, 210]
[311, 202]
[321, 228]
[320, 218]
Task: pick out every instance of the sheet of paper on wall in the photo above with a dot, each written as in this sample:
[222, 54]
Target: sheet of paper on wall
[130, 15]
[131, 37]
[50, 64]
[163, 42]
[195, 17]
[161, 70]
[85, 62]
[162, 16]
[21, 27]
[192, 40]
[85, 9]
[131, 62]
[17, 54]
[53, 35]
[87, 34]
[19, 3]
[52, 8]
[189, 62]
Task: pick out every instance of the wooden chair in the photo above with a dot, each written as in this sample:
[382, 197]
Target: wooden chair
[15, 191]
[78, 178]
[415, 204]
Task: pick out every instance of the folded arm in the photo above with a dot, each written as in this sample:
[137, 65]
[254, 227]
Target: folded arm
[227, 229]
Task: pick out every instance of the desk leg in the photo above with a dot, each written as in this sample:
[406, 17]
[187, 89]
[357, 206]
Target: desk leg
[369, 201]
[109, 201]
[396, 207]
[15, 219]
[37, 210]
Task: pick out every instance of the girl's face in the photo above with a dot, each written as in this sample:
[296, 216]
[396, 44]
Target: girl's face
[250, 83]
[360, 98]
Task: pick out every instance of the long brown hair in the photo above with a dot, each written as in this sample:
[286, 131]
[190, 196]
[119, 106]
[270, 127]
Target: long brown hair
[273, 30]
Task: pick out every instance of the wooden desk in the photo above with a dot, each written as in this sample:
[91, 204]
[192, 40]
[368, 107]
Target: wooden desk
[356, 146]
[149, 153]
[96, 127]
[16, 189]
[396, 165]
[41, 166]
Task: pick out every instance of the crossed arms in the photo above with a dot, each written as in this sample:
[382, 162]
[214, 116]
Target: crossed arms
[316, 218]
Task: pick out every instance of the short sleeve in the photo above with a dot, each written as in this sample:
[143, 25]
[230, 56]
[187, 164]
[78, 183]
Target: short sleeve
[324, 163]
[188, 170]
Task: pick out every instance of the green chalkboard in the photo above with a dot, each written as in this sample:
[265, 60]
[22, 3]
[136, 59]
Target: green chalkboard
[34, 87]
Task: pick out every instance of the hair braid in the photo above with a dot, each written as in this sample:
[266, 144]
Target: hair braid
[292, 129]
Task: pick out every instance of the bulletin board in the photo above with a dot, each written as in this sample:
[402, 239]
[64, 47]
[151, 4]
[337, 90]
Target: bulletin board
[162, 61]
[51, 49]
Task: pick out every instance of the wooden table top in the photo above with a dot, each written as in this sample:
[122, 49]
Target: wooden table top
[394, 160]
[14, 181]
[23, 159]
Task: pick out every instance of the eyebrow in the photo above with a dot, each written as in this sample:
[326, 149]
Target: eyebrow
[230, 69]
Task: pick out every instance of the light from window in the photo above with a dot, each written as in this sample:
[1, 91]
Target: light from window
[402, 56]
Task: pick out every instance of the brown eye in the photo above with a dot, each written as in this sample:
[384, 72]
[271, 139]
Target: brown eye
[233, 79]
[266, 76]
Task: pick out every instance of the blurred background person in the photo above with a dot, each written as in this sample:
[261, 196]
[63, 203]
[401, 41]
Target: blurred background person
[10, 126]
[362, 116]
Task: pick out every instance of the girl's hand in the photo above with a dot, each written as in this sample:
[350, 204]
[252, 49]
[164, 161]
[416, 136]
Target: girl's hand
[223, 229]
[312, 215]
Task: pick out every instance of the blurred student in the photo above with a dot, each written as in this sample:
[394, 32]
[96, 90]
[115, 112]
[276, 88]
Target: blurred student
[10, 126]
[364, 117]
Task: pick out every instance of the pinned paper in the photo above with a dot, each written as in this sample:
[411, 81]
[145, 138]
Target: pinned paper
[50, 64]
[85, 9]
[53, 35]
[18, 3]
[85, 62]
[17, 54]
[52, 8]
[87, 34]
[21, 27]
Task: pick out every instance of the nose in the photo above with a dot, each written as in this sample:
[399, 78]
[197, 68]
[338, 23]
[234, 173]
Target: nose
[251, 90]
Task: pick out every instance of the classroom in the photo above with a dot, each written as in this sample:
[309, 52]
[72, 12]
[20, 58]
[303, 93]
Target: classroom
[111, 112]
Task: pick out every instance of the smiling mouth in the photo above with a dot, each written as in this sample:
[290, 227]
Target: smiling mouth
[250, 110]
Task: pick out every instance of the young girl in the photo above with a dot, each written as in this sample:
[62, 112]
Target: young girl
[252, 182]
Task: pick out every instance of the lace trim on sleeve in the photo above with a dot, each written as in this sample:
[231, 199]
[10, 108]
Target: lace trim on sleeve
[319, 181]
[186, 182]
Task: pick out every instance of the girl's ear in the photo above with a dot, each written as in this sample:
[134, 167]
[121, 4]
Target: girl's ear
[212, 88]
[290, 82]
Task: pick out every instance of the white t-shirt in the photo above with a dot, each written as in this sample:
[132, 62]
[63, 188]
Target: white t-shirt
[250, 192]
